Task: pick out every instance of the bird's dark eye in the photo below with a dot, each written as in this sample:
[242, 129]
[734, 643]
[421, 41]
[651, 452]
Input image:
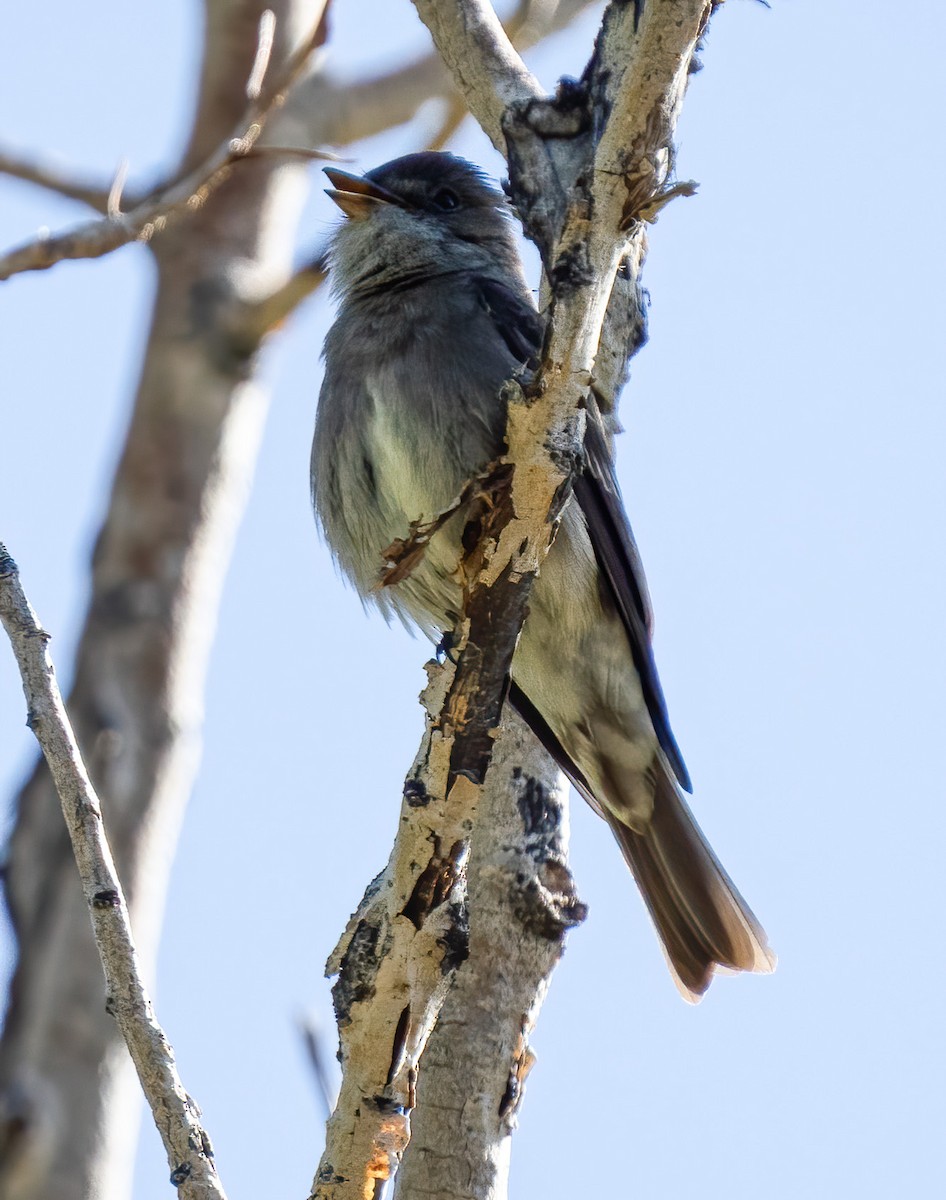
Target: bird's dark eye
[446, 199]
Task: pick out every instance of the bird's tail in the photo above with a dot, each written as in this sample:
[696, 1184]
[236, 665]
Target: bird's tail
[703, 922]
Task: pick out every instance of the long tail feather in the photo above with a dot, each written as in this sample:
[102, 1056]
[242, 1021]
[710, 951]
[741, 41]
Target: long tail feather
[703, 922]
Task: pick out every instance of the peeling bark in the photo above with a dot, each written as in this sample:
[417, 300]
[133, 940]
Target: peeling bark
[522, 903]
[585, 167]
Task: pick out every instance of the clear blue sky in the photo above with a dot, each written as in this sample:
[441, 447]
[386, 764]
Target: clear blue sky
[783, 468]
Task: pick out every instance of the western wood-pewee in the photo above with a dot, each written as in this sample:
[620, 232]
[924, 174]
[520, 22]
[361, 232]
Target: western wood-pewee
[434, 315]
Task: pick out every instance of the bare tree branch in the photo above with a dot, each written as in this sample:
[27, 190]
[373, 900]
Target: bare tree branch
[264, 50]
[521, 902]
[326, 108]
[397, 956]
[190, 1155]
[113, 203]
[54, 179]
[485, 66]
[151, 215]
[584, 165]
[68, 1107]
[636, 145]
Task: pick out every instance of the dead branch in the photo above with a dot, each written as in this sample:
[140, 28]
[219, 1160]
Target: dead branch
[176, 1116]
[486, 68]
[584, 165]
[152, 214]
[54, 179]
[522, 902]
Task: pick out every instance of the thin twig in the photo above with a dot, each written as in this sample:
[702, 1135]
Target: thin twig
[305, 153]
[190, 1154]
[264, 50]
[54, 179]
[94, 239]
[651, 211]
[346, 111]
[113, 206]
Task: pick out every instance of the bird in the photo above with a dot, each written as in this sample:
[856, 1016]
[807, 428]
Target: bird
[434, 315]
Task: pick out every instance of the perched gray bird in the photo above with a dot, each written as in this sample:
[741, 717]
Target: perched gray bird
[434, 316]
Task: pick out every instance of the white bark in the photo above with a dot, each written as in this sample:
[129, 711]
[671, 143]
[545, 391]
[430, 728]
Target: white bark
[521, 901]
[190, 1155]
[585, 167]
[486, 68]
[415, 927]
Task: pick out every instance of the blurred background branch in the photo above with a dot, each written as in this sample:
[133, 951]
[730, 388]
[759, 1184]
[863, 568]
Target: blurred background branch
[224, 281]
[190, 1155]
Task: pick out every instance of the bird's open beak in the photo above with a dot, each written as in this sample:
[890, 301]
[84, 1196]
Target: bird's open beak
[356, 196]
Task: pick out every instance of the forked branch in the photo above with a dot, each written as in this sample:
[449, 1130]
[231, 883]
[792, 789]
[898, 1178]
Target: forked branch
[585, 167]
[150, 215]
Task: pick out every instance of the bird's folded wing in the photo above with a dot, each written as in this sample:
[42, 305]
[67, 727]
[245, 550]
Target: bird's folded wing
[515, 320]
[598, 495]
[597, 492]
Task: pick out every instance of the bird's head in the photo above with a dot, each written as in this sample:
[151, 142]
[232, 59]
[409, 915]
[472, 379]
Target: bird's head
[418, 217]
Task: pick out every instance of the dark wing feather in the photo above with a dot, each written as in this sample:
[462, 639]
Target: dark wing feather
[596, 491]
[516, 321]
